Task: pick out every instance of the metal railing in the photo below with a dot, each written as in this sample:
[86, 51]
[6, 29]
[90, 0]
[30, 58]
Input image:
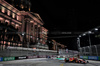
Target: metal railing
[94, 50]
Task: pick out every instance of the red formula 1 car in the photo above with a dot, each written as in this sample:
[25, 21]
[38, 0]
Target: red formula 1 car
[69, 59]
[82, 61]
[76, 60]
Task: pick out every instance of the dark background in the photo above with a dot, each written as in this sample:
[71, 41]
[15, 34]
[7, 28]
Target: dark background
[67, 16]
[65, 20]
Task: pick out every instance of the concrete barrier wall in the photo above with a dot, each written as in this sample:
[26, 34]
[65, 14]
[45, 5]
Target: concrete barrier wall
[25, 57]
[11, 53]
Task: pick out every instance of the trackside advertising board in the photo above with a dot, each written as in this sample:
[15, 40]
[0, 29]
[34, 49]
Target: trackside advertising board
[21, 57]
[85, 57]
[93, 58]
[8, 58]
[81, 57]
[31, 57]
[1, 59]
[90, 57]
[99, 58]
[60, 58]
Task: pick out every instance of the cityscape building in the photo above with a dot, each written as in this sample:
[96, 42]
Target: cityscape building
[20, 28]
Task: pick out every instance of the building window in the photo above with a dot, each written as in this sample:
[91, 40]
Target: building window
[7, 22]
[1, 18]
[29, 9]
[13, 24]
[3, 10]
[8, 43]
[17, 17]
[13, 15]
[16, 26]
[8, 12]
[22, 6]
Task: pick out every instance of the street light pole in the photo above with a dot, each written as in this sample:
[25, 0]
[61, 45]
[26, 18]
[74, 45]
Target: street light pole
[57, 48]
[90, 44]
[23, 39]
[78, 42]
[96, 49]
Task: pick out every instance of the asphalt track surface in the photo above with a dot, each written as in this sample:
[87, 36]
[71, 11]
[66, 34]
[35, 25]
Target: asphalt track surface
[45, 62]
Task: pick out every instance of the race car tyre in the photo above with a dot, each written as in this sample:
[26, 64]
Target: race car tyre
[87, 61]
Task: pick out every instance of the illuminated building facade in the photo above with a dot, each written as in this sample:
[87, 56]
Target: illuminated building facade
[44, 35]
[57, 46]
[10, 23]
[20, 28]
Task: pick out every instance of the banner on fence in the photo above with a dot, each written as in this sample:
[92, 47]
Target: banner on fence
[93, 57]
[1, 59]
[8, 58]
[99, 58]
[30, 57]
[21, 57]
[85, 57]
[81, 57]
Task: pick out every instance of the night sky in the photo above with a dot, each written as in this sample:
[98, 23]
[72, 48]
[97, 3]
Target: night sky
[67, 16]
